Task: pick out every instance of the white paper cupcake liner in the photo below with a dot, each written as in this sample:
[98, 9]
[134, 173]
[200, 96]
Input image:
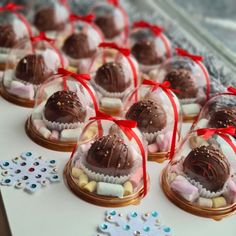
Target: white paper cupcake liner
[108, 94]
[203, 192]
[52, 125]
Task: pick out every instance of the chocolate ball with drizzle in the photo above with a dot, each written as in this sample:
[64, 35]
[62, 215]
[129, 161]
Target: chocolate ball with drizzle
[7, 36]
[64, 107]
[150, 116]
[109, 155]
[208, 166]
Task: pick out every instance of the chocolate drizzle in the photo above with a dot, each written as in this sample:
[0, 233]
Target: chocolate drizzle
[183, 81]
[32, 69]
[223, 118]
[110, 156]
[7, 36]
[77, 46]
[150, 116]
[64, 107]
[208, 166]
[146, 53]
[112, 78]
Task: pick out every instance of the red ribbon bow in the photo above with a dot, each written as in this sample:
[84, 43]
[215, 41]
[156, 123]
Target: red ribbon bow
[156, 30]
[124, 51]
[165, 86]
[223, 132]
[114, 2]
[81, 78]
[126, 126]
[86, 18]
[232, 90]
[42, 37]
[11, 7]
[181, 52]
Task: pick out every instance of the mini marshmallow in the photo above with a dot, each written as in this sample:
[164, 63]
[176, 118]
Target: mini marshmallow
[219, 202]
[136, 178]
[83, 180]
[91, 186]
[230, 194]
[108, 189]
[191, 109]
[164, 141]
[172, 176]
[152, 148]
[128, 188]
[182, 186]
[203, 123]
[153, 74]
[54, 135]
[3, 57]
[21, 90]
[38, 123]
[46, 133]
[111, 102]
[8, 75]
[70, 134]
[76, 172]
[205, 202]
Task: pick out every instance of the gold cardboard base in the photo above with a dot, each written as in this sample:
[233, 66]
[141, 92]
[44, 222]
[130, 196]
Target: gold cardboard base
[213, 213]
[95, 199]
[14, 99]
[56, 145]
[110, 111]
[158, 157]
[189, 118]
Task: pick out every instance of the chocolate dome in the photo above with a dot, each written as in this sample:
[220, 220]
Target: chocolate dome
[32, 69]
[7, 36]
[108, 26]
[223, 118]
[64, 107]
[208, 166]
[150, 116]
[77, 46]
[183, 81]
[45, 20]
[145, 52]
[110, 156]
[112, 78]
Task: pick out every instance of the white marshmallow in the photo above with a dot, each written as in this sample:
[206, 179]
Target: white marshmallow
[70, 134]
[46, 133]
[7, 77]
[111, 102]
[190, 109]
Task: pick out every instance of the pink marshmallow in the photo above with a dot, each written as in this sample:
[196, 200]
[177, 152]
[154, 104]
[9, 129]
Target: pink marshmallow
[54, 135]
[38, 123]
[136, 178]
[152, 148]
[185, 189]
[230, 195]
[21, 90]
[164, 141]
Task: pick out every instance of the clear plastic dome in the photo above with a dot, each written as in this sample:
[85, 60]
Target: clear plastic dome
[201, 178]
[114, 75]
[62, 106]
[80, 47]
[158, 114]
[113, 21]
[218, 112]
[108, 166]
[149, 45]
[28, 65]
[52, 17]
[14, 28]
[190, 78]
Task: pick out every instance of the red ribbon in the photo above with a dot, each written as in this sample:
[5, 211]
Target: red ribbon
[126, 126]
[183, 53]
[11, 7]
[114, 2]
[42, 37]
[86, 18]
[223, 132]
[81, 78]
[232, 90]
[156, 30]
[168, 91]
[124, 51]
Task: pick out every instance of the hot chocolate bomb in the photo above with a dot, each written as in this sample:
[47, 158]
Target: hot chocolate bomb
[208, 166]
[7, 36]
[110, 156]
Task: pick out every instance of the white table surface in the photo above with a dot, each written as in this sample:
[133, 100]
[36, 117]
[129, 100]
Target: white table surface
[55, 211]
